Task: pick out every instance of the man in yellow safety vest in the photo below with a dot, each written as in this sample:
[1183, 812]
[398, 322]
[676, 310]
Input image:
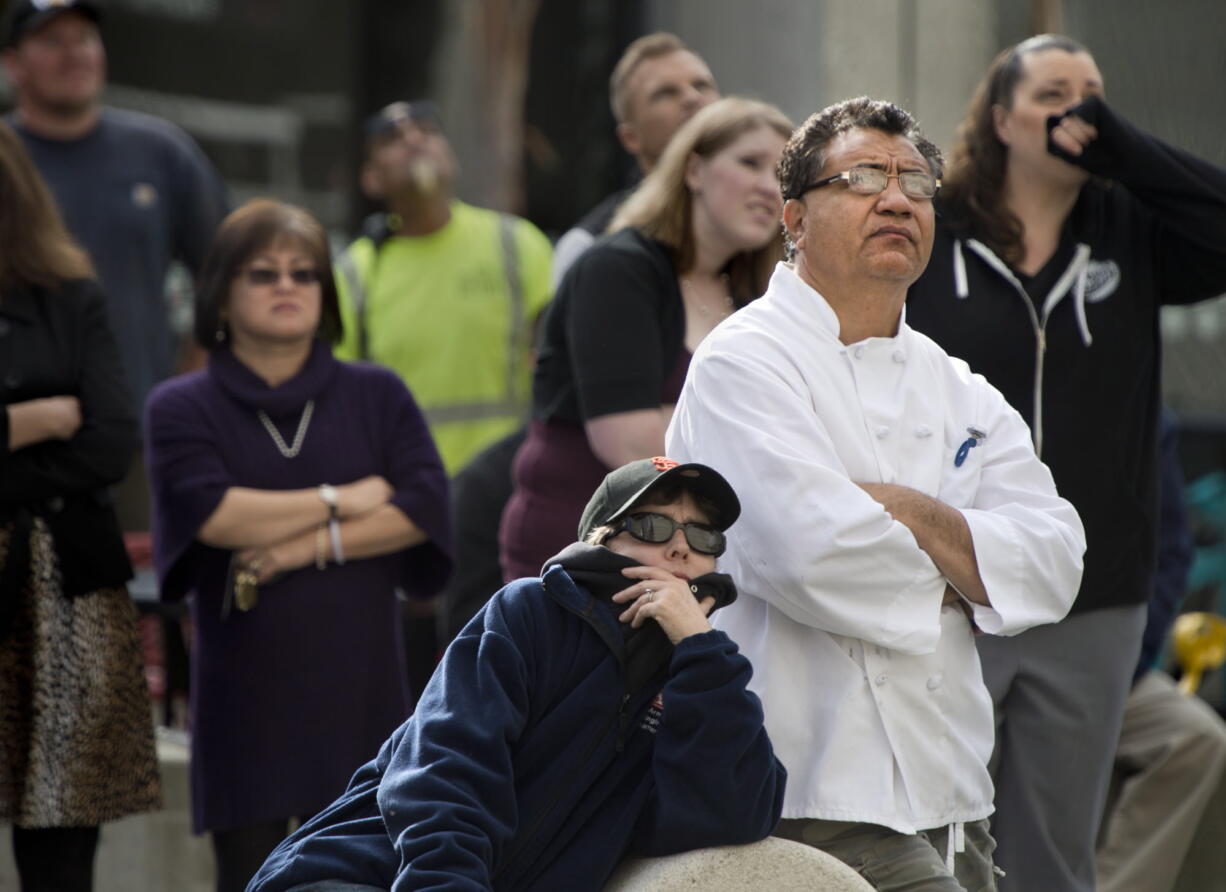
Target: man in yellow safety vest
[442, 292]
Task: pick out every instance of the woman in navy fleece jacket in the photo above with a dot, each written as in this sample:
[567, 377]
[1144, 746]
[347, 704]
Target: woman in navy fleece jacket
[578, 717]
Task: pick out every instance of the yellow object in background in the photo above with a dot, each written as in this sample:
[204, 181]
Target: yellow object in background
[1199, 641]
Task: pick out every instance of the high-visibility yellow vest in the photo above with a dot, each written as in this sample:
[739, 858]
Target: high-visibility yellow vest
[450, 312]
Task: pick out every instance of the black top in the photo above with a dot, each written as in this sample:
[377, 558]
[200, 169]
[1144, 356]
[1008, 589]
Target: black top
[612, 333]
[1155, 235]
[58, 343]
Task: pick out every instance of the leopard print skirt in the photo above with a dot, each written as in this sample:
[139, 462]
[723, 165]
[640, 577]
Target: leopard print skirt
[76, 733]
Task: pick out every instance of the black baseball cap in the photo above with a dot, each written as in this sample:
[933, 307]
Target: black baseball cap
[25, 16]
[386, 118]
[629, 483]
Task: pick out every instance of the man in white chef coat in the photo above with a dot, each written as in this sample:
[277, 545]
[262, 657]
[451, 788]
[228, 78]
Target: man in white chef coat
[893, 507]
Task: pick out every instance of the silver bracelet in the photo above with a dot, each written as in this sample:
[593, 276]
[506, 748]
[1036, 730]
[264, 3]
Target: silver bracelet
[334, 530]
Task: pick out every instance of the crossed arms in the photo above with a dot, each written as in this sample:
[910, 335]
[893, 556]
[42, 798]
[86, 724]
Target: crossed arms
[941, 532]
[872, 560]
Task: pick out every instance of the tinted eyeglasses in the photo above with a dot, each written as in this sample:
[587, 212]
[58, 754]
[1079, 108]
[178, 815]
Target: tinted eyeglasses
[658, 529]
[871, 180]
[266, 275]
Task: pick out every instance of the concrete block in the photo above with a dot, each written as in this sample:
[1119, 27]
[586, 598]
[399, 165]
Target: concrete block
[776, 864]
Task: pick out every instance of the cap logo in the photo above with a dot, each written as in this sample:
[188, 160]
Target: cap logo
[663, 464]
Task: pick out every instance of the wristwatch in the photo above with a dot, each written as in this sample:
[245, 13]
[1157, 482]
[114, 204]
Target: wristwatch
[330, 497]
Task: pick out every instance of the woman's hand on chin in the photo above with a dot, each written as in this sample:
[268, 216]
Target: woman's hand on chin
[658, 594]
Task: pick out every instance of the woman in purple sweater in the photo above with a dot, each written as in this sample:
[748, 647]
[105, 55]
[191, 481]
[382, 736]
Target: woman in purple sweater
[293, 495]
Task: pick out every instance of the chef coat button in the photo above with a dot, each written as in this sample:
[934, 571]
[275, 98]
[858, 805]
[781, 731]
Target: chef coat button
[934, 682]
[923, 431]
[859, 352]
[13, 379]
[900, 356]
[4, 327]
[880, 679]
[883, 432]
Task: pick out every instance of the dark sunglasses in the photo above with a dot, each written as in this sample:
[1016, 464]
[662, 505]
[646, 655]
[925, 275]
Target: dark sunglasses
[658, 529]
[265, 275]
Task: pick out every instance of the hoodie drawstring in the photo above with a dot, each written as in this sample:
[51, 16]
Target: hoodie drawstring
[960, 288]
[1079, 296]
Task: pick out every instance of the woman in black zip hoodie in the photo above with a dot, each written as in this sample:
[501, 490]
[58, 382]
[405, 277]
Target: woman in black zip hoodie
[1062, 229]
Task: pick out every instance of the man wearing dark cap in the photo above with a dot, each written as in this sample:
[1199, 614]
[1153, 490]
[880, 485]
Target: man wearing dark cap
[134, 190]
[580, 716]
[441, 292]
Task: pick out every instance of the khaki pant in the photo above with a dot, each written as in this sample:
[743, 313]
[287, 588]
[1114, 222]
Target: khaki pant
[901, 862]
[1168, 767]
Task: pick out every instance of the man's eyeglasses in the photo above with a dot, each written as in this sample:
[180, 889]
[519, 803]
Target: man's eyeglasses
[871, 180]
[658, 529]
[264, 275]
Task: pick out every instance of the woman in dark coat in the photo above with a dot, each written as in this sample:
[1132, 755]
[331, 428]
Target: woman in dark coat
[76, 740]
[293, 496]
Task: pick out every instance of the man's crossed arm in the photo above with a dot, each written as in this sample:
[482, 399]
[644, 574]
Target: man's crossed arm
[941, 531]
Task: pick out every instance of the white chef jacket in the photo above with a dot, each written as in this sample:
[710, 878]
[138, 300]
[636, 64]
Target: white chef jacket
[872, 690]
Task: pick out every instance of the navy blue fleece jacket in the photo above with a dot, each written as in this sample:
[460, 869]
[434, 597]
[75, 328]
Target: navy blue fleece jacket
[529, 764]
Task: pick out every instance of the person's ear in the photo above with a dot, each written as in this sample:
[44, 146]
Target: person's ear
[12, 66]
[628, 136]
[794, 212]
[453, 165]
[694, 166]
[371, 181]
[1000, 122]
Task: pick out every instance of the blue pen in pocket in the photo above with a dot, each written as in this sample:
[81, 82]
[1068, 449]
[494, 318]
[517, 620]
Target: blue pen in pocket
[967, 445]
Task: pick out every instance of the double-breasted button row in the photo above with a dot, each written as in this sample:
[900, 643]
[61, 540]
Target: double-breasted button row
[923, 431]
[933, 683]
[899, 355]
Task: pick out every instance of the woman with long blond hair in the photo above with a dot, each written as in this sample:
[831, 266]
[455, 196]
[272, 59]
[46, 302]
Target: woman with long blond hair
[695, 241]
[76, 737]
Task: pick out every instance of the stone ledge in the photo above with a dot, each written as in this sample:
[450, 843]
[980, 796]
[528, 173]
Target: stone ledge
[776, 864]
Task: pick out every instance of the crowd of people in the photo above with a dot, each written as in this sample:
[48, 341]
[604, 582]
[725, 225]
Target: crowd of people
[810, 488]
